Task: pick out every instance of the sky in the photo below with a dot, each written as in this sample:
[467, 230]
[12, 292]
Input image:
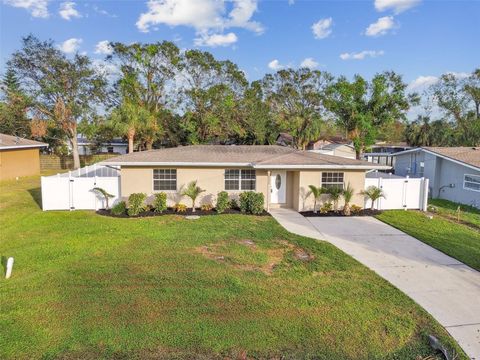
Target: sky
[419, 39]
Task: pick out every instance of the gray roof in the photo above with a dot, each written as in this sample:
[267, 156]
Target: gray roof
[469, 156]
[9, 142]
[256, 156]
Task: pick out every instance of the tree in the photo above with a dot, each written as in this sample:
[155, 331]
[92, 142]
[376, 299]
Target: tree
[317, 192]
[106, 195]
[296, 99]
[347, 193]
[62, 89]
[192, 191]
[373, 193]
[361, 108]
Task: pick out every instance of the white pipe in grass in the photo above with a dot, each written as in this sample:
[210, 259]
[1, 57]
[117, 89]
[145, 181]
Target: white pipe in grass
[8, 273]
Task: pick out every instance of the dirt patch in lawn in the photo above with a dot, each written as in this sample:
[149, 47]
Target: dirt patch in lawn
[252, 257]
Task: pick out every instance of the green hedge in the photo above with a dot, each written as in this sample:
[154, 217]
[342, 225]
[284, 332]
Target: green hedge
[252, 202]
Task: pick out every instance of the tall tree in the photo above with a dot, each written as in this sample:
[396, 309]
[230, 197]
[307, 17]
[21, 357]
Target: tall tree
[361, 107]
[62, 89]
[297, 102]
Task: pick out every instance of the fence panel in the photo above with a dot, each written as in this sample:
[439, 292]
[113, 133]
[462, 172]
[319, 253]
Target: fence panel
[404, 193]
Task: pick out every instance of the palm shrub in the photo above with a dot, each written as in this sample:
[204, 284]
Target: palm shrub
[335, 193]
[136, 203]
[192, 191]
[373, 193]
[105, 195]
[160, 202]
[348, 193]
[222, 202]
[317, 192]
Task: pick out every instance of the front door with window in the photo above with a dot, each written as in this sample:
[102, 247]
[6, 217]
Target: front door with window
[278, 187]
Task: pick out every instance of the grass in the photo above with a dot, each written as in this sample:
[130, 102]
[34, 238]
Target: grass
[459, 240]
[91, 287]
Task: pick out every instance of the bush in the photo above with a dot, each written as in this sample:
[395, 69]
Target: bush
[252, 202]
[119, 208]
[136, 203]
[160, 202]
[326, 207]
[355, 209]
[233, 204]
[206, 207]
[180, 208]
[222, 202]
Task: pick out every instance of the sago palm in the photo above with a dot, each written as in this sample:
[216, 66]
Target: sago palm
[373, 193]
[317, 192]
[192, 191]
[347, 197]
[335, 194]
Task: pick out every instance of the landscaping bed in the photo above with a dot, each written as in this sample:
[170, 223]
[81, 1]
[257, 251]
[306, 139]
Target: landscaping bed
[172, 211]
[363, 212]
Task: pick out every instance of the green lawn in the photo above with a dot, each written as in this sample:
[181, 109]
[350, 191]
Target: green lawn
[92, 287]
[443, 232]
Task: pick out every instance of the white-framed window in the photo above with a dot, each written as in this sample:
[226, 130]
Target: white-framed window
[164, 179]
[240, 179]
[471, 182]
[332, 180]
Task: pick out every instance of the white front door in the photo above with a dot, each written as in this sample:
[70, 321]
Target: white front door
[278, 187]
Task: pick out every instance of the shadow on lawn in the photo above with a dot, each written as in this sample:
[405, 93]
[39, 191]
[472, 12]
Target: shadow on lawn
[4, 265]
[36, 194]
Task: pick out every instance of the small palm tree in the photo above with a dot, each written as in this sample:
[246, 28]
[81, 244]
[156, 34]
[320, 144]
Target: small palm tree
[192, 191]
[335, 194]
[317, 192]
[347, 197]
[105, 194]
[373, 193]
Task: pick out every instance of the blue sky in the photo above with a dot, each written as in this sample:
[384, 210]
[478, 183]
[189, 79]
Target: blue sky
[419, 39]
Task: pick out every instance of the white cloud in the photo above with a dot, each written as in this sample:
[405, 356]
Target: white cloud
[37, 8]
[68, 11]
[103, 47]
[422, 82]
[205, 16]
[216, 40]
[103, 12]
[361, 55]
[275, 65]
[397, 6]
[71, 45]
[309, 63]
[381, 27]
[322, 28]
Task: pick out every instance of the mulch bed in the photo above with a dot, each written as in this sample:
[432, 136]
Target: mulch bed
[171, 211]
[363, 212]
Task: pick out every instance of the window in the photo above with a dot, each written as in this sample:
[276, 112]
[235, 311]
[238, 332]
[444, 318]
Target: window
[110, 149]
[164, 179]
[471, 182]
[236, 179]
[332, 180]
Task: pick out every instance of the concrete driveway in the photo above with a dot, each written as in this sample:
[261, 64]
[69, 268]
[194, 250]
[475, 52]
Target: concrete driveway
[448, 289]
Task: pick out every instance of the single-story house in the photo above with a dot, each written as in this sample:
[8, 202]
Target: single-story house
[383, 153]
[453, 172]
[115, 146]
[335, 149]
[282, 174]
[19, 157]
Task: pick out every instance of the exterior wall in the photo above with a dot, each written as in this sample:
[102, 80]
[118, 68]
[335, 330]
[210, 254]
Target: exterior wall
[140, 179]
[345, 151]
[20, 162]
[87, 150]
[306, 178]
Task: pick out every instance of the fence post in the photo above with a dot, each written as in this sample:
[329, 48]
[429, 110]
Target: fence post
[425, 193]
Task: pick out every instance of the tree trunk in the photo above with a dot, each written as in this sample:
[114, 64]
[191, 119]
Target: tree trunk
[76, 156]
[130, 135]
[358, 153]
[149, 144]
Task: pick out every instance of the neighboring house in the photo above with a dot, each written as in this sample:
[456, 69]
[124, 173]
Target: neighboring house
[342, 150]
[282, 174]
[87, 147]
[453, 172]
[19, 157]
[383, 153]
[334, 145]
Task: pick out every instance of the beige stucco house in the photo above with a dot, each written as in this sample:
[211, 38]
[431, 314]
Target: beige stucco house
[282, 174]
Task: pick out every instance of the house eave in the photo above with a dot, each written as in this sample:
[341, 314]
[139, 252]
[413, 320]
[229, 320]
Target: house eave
[439, 155]
[324, 167]
[15, 147]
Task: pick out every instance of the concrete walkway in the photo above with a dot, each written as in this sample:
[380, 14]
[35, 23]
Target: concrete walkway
[448, 289]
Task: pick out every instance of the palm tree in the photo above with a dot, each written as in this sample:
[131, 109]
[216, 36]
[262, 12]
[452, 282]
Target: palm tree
[335, 194]
[192, 191]
[105, 194]
[347, 197]
[373, 193]
[317, 192]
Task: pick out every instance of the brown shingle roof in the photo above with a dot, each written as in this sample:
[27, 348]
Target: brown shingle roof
[257, 156]
[8, 142]
[467, 155]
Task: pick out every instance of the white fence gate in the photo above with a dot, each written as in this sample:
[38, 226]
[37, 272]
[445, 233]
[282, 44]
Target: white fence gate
[74, 190]
[400, 193]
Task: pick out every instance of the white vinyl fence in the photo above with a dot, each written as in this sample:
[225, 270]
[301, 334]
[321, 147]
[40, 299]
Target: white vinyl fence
[74, 190]
[400, 193]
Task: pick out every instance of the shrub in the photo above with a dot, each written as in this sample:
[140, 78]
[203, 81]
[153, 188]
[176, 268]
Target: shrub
[252, 202]
[206, 207]
[119, 208]
[160, 202]
[222, 202]
[192, 191]
[326, 207]
[233, 204]
[136, 203]
[180, 208]
[373, 193]
[355, 209]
